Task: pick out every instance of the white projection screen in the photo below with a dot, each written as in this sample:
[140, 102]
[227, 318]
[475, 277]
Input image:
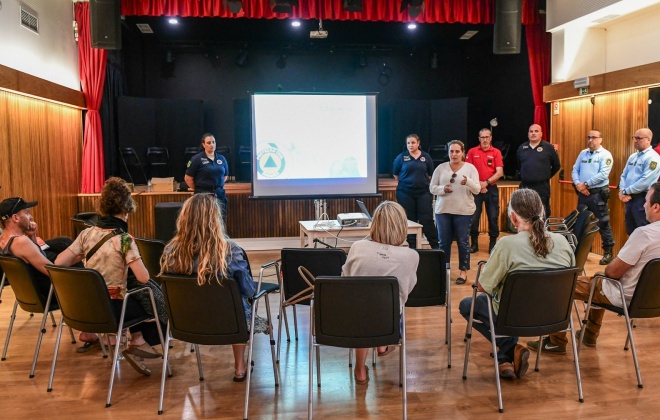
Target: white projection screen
[314, 145]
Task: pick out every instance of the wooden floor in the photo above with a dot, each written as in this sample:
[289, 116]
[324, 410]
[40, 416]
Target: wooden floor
[434, 391]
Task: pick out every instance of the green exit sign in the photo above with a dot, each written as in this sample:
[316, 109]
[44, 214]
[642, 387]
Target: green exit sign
[584, 90]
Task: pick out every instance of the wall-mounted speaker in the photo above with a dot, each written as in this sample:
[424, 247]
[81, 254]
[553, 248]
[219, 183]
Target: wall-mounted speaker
[105, 22]
[508, 27]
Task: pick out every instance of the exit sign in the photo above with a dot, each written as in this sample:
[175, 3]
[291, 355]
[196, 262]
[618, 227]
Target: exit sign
[584, 90]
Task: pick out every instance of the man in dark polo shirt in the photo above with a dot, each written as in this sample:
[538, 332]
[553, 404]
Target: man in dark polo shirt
[488, 161]
[538, 162]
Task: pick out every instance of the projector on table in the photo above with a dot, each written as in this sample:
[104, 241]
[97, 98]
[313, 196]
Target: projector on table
[353, 219]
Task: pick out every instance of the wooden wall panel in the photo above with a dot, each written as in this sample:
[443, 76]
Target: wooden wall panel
[41, 145]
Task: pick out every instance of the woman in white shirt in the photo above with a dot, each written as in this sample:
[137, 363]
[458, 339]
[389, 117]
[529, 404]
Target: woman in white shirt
[454, 184]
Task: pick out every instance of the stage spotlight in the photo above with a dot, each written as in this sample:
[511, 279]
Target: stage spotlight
[353, 5]
[234, 6]
[414, 7]
[283, 6]
[412, 26]
[173, 21]
[242, 58]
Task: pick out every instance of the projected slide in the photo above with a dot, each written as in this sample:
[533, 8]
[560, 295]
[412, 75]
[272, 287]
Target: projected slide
[313, 144]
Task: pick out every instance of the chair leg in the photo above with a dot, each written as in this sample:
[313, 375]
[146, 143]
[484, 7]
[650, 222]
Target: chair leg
[158, 327]
[448, 320]
[200, 368]
[103, 350]
[625, 346]
[495, 361]
[373, 356]
[577, 362]
[2, 285]
[629, 325]
[350, 358]
[468, 333]
[73, 337]
[249, 361]
[57, 349]
[403, 367]
[538, 354]
[318, 366]
[295, 321]
[42, 330]
[52, 318]
[166, 356]
[276, 369]
[115, 358]
[311, 359]
[11, 326]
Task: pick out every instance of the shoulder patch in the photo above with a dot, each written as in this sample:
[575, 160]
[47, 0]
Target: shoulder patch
[608, 162]
[653, 165]
[189, 162]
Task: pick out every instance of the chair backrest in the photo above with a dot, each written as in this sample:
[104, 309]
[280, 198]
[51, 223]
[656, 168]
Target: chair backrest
[151, 250]
[589, 225]
[319, 262]
[211, 314]
[190, 151]
[645, 302]
[157, 154]
[84, 299]
[130, 156]
[25, 288]
[581, 222]
[82, 221]
[431, 287]
[356, 312]
[536, 302]
[584, 247]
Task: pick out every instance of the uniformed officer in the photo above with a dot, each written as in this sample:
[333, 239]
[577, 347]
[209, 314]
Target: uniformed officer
[207, 172]
[641, 171]
[488, 161]
[538, 162]
[591, 180]
[413, 169]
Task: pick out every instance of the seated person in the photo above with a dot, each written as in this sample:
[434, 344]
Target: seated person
[532, 248]
[19, 238]
[383, 255]
[112, 259]
[641, 247]
[201, 247]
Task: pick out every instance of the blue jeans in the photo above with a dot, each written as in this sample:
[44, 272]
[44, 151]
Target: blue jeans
[505, 345]
[491, 199]
[457, 226]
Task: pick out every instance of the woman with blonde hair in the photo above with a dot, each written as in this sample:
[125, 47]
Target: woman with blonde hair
[383, 255]
[201, 247]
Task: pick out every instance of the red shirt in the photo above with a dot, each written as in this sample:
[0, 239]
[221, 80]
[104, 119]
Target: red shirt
[657, 149]
[486, 161]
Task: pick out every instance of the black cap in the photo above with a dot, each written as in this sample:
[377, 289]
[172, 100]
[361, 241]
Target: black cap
[11, 206]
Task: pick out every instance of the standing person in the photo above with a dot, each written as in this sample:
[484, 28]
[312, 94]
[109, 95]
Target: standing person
[591, 175]
[207, 172]
[455, 183]
[538, 162]
[641, 171]
[532, 248]
[413, 169]
[383, 255]
[488, 161]
[201, 247]
[112, 259]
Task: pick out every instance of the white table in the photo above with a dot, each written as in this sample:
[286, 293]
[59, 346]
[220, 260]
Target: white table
[312, 229]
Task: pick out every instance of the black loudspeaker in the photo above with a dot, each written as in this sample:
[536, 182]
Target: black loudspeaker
[508, 27]
[165, 215]
[105, 22]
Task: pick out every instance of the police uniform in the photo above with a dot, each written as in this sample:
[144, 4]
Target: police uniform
[209, 175]
[641, 171]
[412, 192]
[537, 165]
[593, 168]
[486, 162]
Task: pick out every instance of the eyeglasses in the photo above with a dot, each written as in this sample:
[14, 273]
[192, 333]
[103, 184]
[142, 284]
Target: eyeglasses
[593, 137]
[19, 201]
[484, 137]
[453, 178]
[639, 138]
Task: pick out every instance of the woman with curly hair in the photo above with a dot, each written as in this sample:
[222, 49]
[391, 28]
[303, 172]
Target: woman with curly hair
[112, 260]
[201, 247]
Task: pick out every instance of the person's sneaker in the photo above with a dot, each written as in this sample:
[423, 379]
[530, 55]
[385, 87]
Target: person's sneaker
[587, 341]
[548, 347]
[520, 360]
[507, 371]
[607, 258]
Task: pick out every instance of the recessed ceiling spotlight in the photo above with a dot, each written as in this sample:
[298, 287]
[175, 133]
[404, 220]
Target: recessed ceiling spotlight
[295, 23]
[412, 26]
[173, 21]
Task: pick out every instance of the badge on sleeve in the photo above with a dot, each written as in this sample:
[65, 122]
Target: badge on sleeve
[653, 165]
[188, 166]
[219, 161]
[608, 162]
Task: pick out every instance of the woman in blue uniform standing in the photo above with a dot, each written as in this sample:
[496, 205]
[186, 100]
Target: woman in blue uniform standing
[413, 169]
[207, 172]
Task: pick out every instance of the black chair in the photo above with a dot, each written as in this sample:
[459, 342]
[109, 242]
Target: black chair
[319, 262]
[30, 299]
[432, 288]
[132, 165]
[189, 309]
[439, 154]
[645, 303]
[158, 159]
[356, 312]
[85, 305]
[533, 303]
[189, 152]
[151, 250]
[82, 221]
[557, 224]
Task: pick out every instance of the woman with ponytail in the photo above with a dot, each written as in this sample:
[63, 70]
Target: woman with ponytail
[532, 248]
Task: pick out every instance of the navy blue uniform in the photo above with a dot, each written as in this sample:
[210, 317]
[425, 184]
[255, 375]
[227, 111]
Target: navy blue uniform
[537, 165]
[412, 192]
[209, 175]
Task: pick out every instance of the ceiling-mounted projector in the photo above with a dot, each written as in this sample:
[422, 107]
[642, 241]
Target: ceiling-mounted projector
[318, 34]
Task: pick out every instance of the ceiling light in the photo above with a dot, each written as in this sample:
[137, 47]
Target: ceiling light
[412, 25]
[295, 23]
[173, 21]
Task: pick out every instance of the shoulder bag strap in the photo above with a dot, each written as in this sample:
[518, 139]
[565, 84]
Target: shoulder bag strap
[101, 242]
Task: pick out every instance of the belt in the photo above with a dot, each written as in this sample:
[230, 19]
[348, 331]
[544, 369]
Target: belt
[597, 190]
[638, 195]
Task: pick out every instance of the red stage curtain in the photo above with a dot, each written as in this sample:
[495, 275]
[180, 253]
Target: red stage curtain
[91, 63]
[538, 50]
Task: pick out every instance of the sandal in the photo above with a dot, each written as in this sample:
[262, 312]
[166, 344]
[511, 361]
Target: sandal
[365, 380]
[241, 378]
[137, 362]
[460, 280]
[89, 345]
[388, 350]
[144, 350]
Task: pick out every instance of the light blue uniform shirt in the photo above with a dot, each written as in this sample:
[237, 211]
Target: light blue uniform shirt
[641, 171]
[593, 168]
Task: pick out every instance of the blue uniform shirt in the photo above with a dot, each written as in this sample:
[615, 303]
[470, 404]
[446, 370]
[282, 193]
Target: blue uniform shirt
[593, 168]
[209, 174]
[413, 173]
[641, 171]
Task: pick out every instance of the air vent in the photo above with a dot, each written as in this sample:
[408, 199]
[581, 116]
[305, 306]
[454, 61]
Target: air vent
[29, 19]
[144, 28]
[606, 18]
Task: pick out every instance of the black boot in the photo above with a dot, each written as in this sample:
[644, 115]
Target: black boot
[475, 245]
[491, 244]
[607, 256]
